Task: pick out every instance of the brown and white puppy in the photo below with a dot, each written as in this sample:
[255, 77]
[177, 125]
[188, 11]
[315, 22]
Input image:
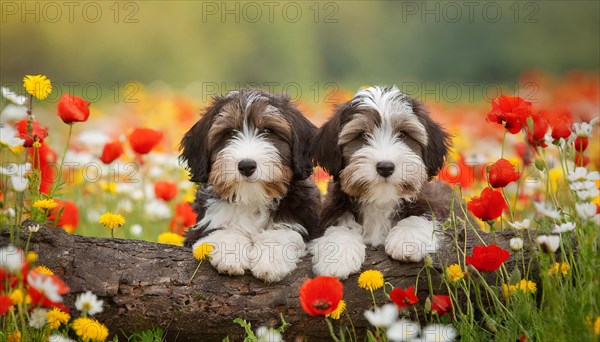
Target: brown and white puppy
[382, 148]
[256, 203]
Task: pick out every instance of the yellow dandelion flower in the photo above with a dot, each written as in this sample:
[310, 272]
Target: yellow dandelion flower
[37, 85]
[508, 290]
[17, 296]
[56, 318]
[111, 220]
[559, 268]
[596, 326]
[43, 270]
[202, 251]
[171, 239]
[454, 273]
[31, 256]
[109, 187]
[14, 337]
[45, 204]
[526, 286]
[89, 329]
[370, 280]
[337, 313]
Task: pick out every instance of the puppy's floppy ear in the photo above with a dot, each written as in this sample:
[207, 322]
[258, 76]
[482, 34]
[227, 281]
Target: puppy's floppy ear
[325, 149]
[438, 144]
[194, 147]
[303, 132]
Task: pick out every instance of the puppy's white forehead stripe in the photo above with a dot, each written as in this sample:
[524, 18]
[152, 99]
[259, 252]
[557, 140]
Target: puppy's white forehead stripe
[386, 101]
[393, 107]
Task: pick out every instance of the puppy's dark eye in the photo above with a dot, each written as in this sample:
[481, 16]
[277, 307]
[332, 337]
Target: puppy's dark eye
[265, 131]
[400, 135]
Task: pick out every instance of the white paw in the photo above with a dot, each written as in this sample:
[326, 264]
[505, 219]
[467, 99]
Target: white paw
[339, 253]
[412, 239]
[276, 254]
[231, 251]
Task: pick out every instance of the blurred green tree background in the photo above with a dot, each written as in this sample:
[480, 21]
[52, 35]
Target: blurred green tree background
[350, 43]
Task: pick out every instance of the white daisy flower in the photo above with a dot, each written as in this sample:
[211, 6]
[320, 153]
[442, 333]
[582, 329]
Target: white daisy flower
[265, 334]
[88, 303]
[45, 285]
[588, 194]
[8, 137]
[584, 129]
[13, 113]
[516, 244]
[37, 319]
[403, 330]
[17, 173]
[564, 227]
[136, 229]
[581, 174]
[11, 258]
[438, 333]
[383, 316]
[548, 243]
[547, 210]
[586, 210]
[8, 94]
[59, 338]
[520, 225]
[583, 185]
[157, 209]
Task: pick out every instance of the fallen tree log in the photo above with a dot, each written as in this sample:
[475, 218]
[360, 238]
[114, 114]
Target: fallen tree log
[145, 285]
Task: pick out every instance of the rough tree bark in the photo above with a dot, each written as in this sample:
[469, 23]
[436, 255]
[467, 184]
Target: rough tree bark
[145, 285]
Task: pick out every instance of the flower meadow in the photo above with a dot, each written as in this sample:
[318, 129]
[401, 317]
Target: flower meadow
[524, 165]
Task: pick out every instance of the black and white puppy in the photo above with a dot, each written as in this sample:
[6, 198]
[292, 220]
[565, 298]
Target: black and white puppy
[250, 154]
[382, 148]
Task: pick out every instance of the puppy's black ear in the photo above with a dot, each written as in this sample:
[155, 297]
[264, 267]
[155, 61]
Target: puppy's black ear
[303, 133]
[194, 147]
[434, 155]
[325, 149]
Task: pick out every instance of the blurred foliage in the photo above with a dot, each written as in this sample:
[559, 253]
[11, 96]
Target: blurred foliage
[181, 42]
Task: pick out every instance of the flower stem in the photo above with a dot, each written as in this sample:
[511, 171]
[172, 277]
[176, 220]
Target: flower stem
[196, 271]
[331, 332]
[56, 186]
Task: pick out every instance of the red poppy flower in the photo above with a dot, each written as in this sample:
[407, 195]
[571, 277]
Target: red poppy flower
[165, 190]
[143, 140]
[184, 217]
[47, 166]
[111, 152]
[404, 298]
[39, 297]
[441, 305]
[5, 304]
[458, 173]
[488, 206]
[69, 218]
[73, 109]
[487, 258]
[510, 111]
[38, 132]
[320, 296]
[561, 126]
[502, 173]
[581, 160]
[537, 132]
[581, 144]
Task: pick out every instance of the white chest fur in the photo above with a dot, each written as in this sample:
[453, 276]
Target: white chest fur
[243, 218]
[376, 221]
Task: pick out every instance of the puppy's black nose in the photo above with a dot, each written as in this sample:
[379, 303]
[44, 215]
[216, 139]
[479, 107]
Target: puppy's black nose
[247, 167]
[385, 168]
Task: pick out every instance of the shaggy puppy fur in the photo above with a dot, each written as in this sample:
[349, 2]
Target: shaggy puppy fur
[256, 203]
[382, 148]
